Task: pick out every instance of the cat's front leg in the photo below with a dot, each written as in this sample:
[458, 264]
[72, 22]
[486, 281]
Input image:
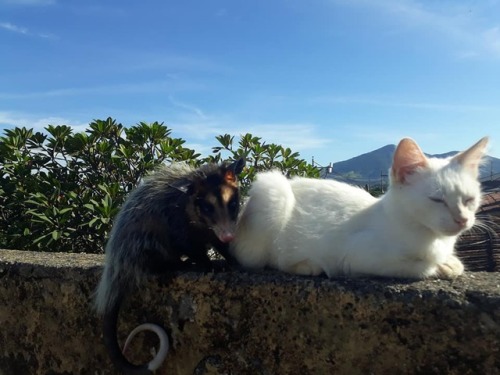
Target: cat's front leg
[450, 269]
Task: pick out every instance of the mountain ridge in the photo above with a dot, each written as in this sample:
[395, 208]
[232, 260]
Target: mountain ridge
[375, 165]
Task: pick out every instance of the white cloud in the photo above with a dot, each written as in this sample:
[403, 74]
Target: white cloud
[28, 2]
[155, 86]
[200, 128]
[296, 136]
[293, 135]
[10, 120]
[16, 29]
[187, 107]
[24, 31]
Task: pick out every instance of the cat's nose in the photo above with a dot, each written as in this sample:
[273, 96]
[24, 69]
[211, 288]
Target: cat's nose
[462, 221]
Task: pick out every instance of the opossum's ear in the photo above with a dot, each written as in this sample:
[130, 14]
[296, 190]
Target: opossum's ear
[237, 166]
[182, 185]
[233, 170]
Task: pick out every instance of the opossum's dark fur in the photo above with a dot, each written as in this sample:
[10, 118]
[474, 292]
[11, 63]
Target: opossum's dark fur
[176, 212]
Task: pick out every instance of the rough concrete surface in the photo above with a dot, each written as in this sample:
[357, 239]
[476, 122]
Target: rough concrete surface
[249, 323]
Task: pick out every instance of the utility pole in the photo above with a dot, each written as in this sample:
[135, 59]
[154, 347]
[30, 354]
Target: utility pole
[382, 175]
[328, 170]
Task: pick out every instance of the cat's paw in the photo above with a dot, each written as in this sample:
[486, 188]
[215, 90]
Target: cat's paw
[305, 268]
[452, 268]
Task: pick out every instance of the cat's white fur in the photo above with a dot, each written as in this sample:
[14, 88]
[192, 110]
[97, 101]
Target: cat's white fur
[311, 226]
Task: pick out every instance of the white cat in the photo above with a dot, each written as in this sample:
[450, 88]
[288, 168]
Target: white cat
[310, 226]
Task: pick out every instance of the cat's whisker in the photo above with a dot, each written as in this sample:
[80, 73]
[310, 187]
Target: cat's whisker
[487, 224]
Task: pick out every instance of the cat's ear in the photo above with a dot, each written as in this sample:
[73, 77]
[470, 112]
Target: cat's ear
[470, 159]
[408, 157]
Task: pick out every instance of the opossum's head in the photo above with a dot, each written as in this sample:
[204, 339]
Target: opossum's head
[215, 200]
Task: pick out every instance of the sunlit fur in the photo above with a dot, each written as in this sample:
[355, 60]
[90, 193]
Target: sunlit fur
[311, 226]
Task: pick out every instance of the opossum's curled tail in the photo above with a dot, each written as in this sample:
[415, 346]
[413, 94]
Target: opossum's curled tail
[110, 324]
[111, 291]
[162, 336]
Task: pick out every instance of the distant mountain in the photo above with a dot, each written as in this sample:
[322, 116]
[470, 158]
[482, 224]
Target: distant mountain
[366, 166]
[374, 165]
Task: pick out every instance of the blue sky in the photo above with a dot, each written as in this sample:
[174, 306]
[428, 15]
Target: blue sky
[328, 78]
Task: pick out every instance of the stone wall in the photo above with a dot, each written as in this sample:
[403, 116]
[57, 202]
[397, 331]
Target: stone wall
[250, 323]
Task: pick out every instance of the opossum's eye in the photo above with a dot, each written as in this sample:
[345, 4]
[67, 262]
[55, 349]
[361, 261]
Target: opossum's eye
[206, 207]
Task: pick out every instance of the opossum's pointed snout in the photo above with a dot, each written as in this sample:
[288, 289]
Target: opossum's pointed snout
[226, 237]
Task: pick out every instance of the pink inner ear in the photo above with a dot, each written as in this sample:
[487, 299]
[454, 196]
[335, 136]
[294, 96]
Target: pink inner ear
[407, 158]
[471, 158]
[406, 171]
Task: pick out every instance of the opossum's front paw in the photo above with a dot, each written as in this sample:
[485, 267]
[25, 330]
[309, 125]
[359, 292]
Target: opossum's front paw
[452, 268]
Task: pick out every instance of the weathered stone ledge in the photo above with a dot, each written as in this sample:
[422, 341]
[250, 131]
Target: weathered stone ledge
[250, 323]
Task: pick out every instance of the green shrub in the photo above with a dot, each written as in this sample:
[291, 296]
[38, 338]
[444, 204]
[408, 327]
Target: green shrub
[60, 191]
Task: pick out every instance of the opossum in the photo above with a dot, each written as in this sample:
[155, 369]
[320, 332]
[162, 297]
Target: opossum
[178, 212]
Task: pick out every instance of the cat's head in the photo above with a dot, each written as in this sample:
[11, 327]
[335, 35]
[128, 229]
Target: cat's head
[441, 194]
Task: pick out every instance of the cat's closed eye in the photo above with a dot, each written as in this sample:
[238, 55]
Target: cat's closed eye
[438, 200]
[468, 201]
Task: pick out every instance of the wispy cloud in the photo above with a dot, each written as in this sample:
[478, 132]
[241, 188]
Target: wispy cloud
[16, 29]
[466, 28]
[303, 138]
[200, 127]
[24, 31]
[155, 86]
[9, 120]
[394, 102]
[187, 107]
[28, 2]
[297, 136]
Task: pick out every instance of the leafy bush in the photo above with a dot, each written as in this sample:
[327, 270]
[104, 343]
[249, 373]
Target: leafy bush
[60, 191]
[259, 157]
